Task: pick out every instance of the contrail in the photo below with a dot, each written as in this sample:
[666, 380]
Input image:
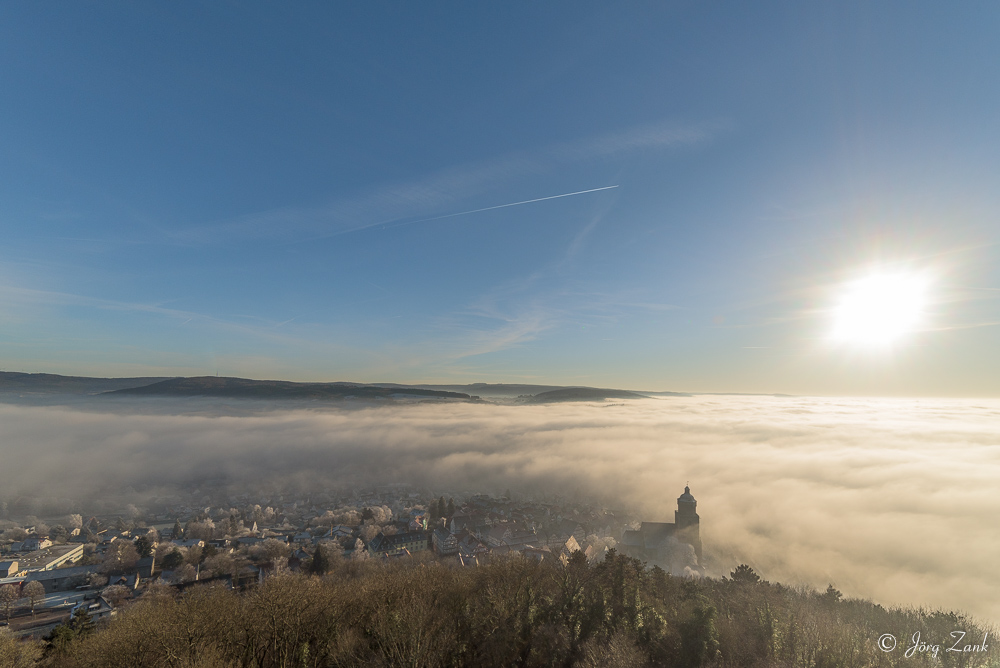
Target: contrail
[503, 206]
[390, 224]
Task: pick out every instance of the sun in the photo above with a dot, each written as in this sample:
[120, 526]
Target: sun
[880, 309]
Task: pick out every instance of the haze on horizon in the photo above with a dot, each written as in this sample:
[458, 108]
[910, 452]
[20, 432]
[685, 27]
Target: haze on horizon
[680, 196]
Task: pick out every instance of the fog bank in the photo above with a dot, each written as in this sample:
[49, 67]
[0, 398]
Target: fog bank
[894, 500]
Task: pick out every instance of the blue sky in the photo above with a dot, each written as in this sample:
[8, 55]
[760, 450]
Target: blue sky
[268, 191]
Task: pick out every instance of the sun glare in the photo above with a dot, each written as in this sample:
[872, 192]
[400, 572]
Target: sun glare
[879, 309]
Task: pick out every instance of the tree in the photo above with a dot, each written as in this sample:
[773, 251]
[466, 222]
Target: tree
[442, 507]
[15, 534]
[360, 552]
[120, 557]
[744, 574]
[95, 580]
[320, 562]
[193, 555]
[8, 596]
[451, 507]
[172, 560]
[35, 592]
[178, 531]
[269, 550]
[59, 534]
[369, 531]
[75, 521]
[143, 546]
[699, 639]
[80, 623]
[186, 573]
[17, 653]
[60, 639]
[434, 510]
[116, 594]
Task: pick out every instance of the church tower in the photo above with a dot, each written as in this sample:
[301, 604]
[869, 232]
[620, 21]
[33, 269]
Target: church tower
[687, 521]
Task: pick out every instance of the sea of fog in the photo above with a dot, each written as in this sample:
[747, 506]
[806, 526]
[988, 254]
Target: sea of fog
[892, 499]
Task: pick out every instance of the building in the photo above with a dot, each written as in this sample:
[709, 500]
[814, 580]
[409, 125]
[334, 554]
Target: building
[444, 543]
[50, 558]
[35, 543]
[8, 569]
[96, 610]
[399, 543]
[659, 541]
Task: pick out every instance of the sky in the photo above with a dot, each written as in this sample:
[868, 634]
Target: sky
[659, 196]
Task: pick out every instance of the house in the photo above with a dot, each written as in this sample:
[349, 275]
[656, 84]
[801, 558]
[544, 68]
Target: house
[566, 528]
[396, 544]
[339, 533]
[568, 548]
[97, 610]
[498, 535]
[444, 543]
[35, 543]
[470, 521]
[130, 582]
[537, 553]
[470, 547]
[8, 569]
[191, 542]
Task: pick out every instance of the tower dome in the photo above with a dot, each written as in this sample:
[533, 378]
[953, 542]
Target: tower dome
[686, 496]
[687, 510]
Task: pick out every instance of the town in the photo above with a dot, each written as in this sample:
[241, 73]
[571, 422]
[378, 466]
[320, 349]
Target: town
[83, 569]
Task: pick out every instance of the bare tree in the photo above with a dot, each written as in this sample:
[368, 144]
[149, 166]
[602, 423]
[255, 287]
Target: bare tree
[8, 596]
[360, 551]
[270, 550]
[120, 557]
[185, 573]
[369, 531]
[35, 592]
[192, 555]
[18, 653]
[96, 580]
[15, 534]
[74, 521]
[203, 530]
[334, 549]
[116, 594]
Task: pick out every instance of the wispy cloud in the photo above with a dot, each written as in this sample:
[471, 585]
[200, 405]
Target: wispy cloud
[504, 206]
[431, 196]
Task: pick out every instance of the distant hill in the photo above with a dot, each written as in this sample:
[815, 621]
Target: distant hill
[582, 394]
[491, 389]
[12, 382]
[49, 387]
[244, 388]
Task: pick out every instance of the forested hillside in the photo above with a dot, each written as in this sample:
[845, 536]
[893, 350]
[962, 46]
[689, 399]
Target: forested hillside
[509, 612]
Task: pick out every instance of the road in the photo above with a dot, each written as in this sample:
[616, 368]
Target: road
[59, 599]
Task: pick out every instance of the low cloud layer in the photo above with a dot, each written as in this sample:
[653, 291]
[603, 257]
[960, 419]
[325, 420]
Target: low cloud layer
[895, 500]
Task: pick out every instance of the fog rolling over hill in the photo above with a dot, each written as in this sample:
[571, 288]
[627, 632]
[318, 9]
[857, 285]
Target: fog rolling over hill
[885, 498]
[581, 394]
